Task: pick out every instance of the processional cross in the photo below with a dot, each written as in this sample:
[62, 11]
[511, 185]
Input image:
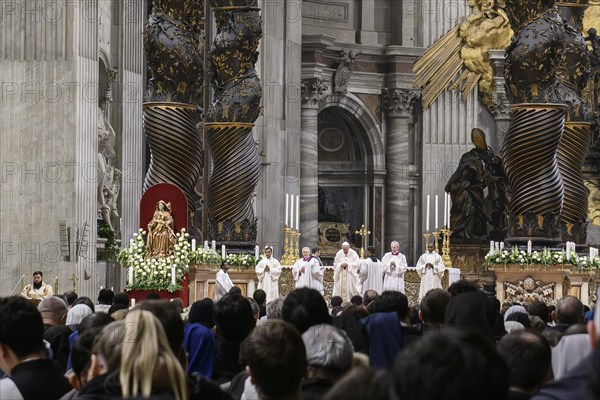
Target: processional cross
[362, 232]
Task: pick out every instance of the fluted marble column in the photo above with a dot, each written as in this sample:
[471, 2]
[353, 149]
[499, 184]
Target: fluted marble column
[312, 92]
[399, 221]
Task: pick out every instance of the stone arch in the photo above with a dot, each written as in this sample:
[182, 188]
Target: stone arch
[371, 127]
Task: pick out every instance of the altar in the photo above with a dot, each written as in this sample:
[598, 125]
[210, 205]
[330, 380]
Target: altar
[202, 281]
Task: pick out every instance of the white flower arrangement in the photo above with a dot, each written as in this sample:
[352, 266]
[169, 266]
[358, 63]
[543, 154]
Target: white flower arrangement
[545, 257]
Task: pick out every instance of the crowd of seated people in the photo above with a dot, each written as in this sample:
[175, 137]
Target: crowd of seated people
[458, 343]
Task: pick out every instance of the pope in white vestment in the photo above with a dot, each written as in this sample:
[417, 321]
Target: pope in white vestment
[223, 283]
[268, 271]
[307, 272]
[430, 268]
[345, 273]
[394, 267]
[370, 273]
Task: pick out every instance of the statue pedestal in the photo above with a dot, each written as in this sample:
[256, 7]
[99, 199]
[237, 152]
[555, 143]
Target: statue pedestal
[550, 283]
[469, 258]
[183, 294]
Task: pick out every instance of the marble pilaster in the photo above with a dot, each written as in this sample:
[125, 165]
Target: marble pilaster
[313, 90]
[399, 107]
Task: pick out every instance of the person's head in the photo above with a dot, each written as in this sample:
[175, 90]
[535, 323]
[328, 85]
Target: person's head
[148, 350]
[268, 251]
[329, 351]
[528, 356]
[361, 383]
[438, 367]
[316, 251]
[433, 306]
[62, 297]
[169, 317]
[468, 312]
[38, 277]
[260, 296]
[53, 310]
[276, 359]
[235, 290]
[274, 308]
[116, 307]
[21, 331]
[356, 300]
[569, 311]
[391, 301]
[233, 317]
[346, 247]
[161, 205]
[121, 298]
[306, 252]
[71, 297]
[369, 296]
[336, 301]
[85, 300]
[225, 265]
[106, 296]
[305, 307]
[430, 247]
[395, 246]
[537, 308]
[153, 296]
[371, 251]
[462, 286]
[201, 312]
[77, 313]
[255, 308]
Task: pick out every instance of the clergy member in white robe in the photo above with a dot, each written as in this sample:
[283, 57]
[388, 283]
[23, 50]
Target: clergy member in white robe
[394, 267]
[223, 283]
[430, 268]
[268, 271]
[307, 272]
[345, 273]
[371, 272]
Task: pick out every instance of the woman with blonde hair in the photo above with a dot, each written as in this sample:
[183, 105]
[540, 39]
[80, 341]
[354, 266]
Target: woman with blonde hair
[147, 363]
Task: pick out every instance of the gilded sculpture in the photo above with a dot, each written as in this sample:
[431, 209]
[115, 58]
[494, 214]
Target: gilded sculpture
[161, 232]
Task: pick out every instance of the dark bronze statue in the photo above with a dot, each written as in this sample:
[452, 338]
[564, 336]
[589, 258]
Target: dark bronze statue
[233, 55]
[472, 210]
[173, 44]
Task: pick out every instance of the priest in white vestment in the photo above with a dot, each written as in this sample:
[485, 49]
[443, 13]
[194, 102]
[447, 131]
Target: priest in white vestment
[394, 267]
[268, 271]
[371, 272]
[223, 283]
[345, 273]
[430, 268]
[307, 272]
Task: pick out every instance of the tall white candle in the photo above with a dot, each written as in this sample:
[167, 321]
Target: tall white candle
[292, 212]
[130, 273]
[445, 207]
[287, 208]
[529, 247]
[298, 212]
[427, 217]
[568, 250]
[173, 275]
[591, 253]
[206, 245]
[501, 246]
[491, 247]
[256, 252]
[449, 208]
[132, 303]
[436, 212]
[193, 244]
[223, 251]
[214, 246]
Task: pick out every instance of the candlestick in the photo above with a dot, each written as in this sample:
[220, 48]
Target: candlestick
[292, 212]
[214, 246]
[287, 199]
[223, 251]
[193, 244]
[298, 212]
[436, 212]
[256, 252]
[173, 282]
[130, 274]
[427, 218]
